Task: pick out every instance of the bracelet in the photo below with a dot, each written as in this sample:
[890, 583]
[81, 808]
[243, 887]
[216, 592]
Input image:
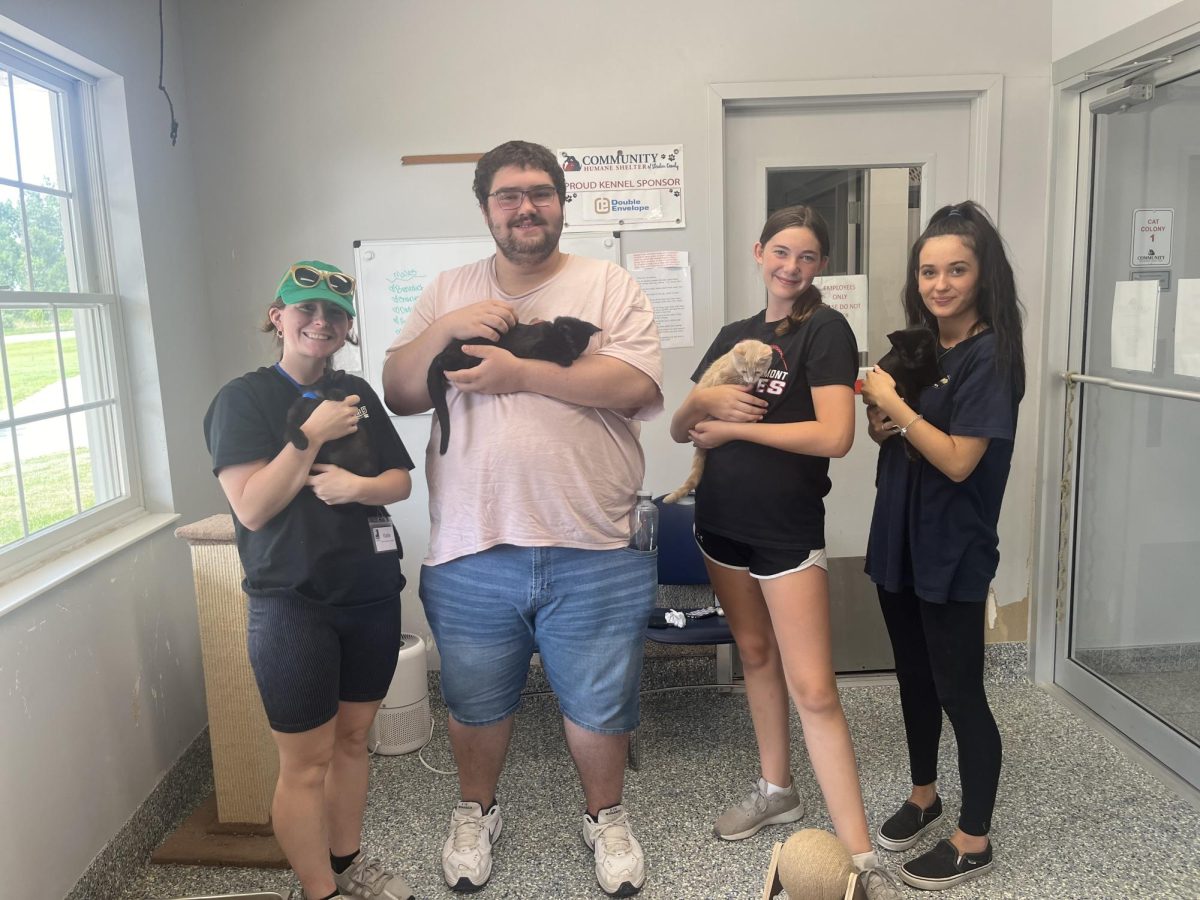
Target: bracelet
[904, 431]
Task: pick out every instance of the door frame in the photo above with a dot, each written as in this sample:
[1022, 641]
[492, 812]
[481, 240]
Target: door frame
[1066, 266]
[1066, 279]
[985, 93]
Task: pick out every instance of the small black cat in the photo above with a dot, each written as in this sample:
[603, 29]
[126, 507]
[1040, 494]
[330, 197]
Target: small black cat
[913, 363]
[561, 341]
[352, 452]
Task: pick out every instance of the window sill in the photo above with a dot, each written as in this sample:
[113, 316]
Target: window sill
[50, 574]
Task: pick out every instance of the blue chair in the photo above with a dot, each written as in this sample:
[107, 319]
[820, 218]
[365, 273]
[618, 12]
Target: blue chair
[680, 569]
[681, 577]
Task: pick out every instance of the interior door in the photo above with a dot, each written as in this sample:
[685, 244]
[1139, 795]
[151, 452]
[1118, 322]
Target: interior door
[1128, 644]
[876, 172]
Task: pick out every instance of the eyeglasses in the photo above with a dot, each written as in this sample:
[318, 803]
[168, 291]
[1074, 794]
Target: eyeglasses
[511, 198]
[307, 276]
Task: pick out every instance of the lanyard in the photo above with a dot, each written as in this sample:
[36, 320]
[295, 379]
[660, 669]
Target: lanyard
[307, 393]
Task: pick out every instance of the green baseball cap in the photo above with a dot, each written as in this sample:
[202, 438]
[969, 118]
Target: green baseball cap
[311, 279]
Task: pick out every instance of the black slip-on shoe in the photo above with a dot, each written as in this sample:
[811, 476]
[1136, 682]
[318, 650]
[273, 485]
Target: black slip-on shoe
[944, 867]
[905, 828]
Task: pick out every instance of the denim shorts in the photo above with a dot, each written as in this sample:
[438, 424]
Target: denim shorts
[584, 611]
[763, 563]
[308, 656]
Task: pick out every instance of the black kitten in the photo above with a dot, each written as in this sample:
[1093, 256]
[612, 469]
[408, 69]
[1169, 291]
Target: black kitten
[352, 452]
[913, 363]
[561, 341]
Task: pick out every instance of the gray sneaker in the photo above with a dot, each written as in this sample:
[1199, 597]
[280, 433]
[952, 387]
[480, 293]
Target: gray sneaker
[756, 810]
[875, 884]
[367, 879]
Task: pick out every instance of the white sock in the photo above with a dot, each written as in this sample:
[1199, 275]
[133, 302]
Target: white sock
[865, 861]
[771, 789]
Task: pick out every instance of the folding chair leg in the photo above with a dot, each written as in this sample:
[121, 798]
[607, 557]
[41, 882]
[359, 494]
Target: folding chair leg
[725, 664]
[634, 757]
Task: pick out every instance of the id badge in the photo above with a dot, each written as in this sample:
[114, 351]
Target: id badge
[382, 534]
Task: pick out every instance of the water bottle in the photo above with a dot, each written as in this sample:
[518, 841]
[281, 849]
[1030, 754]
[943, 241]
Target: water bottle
[643, 523]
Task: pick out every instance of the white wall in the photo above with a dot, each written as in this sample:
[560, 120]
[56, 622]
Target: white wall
[1077, 23]
[101, 675]
[298, 150]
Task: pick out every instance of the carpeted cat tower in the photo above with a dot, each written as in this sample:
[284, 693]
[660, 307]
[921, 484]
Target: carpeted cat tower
[232, 826]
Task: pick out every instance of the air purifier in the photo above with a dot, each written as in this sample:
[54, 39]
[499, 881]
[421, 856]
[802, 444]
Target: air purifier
[402, 724]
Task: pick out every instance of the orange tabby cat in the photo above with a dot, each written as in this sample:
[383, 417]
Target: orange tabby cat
[746, 363]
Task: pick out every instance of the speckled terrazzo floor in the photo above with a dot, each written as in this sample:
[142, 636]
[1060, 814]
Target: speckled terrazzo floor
[1076, 819]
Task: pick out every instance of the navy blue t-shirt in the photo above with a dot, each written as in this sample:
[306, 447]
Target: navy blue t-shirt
[322, 552]
[927, 532]
[761, 495]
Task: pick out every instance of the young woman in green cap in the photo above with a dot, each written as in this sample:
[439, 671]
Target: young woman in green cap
[322, 565]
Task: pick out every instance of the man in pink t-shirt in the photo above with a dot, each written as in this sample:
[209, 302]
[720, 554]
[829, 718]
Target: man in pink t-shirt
[529, 509]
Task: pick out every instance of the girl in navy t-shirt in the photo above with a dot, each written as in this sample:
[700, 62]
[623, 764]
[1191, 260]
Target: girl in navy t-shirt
[933, 547]
[760, 523]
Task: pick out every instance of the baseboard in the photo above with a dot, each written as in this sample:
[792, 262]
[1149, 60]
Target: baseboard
[184, 785]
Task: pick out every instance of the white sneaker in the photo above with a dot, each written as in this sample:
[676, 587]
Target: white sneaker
[367, 879]
[467, 853]
[620, 865]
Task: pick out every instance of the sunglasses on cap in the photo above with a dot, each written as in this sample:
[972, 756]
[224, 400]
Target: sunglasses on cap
[307, 277]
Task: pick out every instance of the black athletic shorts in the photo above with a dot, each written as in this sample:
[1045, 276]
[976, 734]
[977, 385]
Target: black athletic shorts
[761, 562]
[309, 656]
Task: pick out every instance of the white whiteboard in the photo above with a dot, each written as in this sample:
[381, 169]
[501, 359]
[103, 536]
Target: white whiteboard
[392, 274]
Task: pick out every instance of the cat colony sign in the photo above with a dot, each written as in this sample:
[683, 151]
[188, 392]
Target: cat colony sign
[1151, 237]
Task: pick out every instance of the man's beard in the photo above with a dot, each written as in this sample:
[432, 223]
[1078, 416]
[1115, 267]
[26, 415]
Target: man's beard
[524, 252]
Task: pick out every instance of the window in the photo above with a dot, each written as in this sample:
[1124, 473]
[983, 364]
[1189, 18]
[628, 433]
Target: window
[64, 465]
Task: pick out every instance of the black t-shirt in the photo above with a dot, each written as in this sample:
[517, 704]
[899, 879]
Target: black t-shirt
[761, 495]
[321, 552]
[929, 533]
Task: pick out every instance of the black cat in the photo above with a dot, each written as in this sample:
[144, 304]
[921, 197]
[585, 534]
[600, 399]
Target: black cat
[352, 452]
[561, 341]
[913, 363]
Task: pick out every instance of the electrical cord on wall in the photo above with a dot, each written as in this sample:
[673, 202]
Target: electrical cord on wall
[161, 55]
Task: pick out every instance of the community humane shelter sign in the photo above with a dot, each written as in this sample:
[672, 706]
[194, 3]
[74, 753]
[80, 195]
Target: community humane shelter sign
[623, 188]
[1152, 237]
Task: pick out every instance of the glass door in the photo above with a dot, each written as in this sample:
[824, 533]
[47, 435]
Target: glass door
[1128, 641]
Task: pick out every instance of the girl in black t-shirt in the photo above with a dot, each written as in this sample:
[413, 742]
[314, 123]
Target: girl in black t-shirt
[322, 565]
[760, 524]
[933, 548]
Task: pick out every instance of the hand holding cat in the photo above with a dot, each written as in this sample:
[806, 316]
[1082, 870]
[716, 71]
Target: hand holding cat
[879, 389]
[499, 373]
[709, 433]
[732, 403]
[331, 420]
[333, 484]
[879, 426]
[486, 319]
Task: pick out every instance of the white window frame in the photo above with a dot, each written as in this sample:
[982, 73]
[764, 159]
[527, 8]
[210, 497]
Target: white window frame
[96, 278]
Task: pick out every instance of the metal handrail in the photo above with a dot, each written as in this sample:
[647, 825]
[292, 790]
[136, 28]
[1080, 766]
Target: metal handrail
[1130, 386]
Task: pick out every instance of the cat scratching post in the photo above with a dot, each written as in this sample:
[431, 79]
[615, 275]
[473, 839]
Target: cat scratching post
[233, 826]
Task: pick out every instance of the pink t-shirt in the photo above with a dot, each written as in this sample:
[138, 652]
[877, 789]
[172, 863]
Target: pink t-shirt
[527, 469]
